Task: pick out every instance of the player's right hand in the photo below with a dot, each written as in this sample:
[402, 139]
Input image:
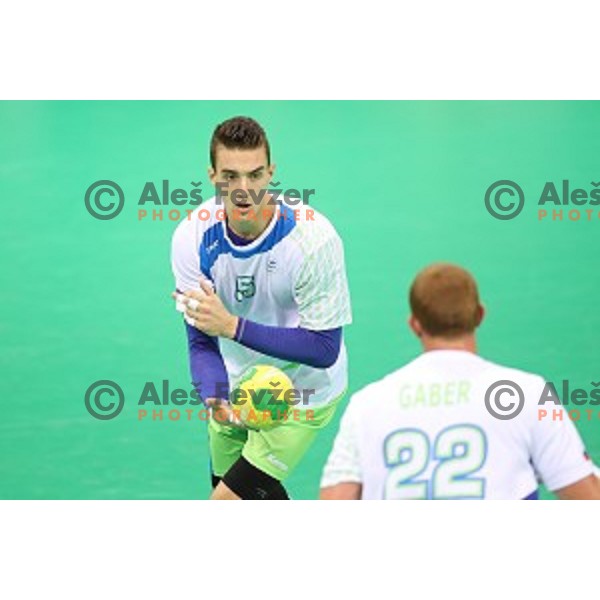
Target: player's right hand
[222, 412]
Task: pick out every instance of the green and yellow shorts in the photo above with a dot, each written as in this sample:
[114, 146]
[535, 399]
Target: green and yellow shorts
[276, 451]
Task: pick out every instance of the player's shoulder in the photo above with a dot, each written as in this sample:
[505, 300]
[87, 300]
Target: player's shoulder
[502, 372]
[193, 226]
[312, 228]
[490, 372]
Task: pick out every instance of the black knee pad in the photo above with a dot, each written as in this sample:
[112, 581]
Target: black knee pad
[250, 483]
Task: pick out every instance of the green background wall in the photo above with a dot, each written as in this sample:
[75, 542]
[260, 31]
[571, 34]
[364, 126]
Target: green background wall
[403, 182]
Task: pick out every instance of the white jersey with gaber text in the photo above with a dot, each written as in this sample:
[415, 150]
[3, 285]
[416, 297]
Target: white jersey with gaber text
[424, 432]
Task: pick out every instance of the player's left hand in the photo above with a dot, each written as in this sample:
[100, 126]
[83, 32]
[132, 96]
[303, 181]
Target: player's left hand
[206, 311]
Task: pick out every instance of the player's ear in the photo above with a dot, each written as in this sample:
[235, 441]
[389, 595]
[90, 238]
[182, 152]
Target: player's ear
[415, 326]
[480, 315]
[271, 170]
[212, 175]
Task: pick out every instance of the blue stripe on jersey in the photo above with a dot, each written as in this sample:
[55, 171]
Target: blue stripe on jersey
[214, 243]
[533, 496]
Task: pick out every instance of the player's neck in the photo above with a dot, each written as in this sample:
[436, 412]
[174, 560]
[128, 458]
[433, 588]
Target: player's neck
[254, 228]
[465, 343]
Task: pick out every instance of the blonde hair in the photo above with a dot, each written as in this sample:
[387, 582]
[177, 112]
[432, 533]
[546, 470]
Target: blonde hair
[444, 299]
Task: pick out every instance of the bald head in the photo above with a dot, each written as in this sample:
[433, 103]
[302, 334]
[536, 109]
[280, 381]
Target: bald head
[445, 301]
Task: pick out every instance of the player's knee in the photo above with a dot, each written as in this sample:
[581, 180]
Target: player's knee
[278, 492]
[250, 483]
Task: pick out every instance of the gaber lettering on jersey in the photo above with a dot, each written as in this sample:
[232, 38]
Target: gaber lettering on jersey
[432, 394]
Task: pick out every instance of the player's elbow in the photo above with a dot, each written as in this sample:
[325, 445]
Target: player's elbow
[327, 351]
[326, 359]
[325, 347]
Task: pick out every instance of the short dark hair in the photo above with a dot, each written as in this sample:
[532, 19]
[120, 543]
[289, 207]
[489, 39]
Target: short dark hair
[445, 301]
[239, 132]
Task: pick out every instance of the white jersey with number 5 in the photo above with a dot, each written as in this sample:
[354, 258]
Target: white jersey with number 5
[425, 431]
[292, 275]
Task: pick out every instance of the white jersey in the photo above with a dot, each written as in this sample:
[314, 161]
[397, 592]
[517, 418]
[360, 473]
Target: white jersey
[424, 431]
[293, 275]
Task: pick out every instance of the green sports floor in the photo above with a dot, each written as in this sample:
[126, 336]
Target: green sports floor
[84, 299]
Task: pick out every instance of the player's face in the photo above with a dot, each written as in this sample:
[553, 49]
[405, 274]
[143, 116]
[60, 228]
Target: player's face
[241, 178]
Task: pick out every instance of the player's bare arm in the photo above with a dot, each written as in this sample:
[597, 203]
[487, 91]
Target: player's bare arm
[342, 491]
[587, 488]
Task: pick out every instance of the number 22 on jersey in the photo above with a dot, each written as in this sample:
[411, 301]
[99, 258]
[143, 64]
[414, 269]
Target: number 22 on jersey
[458, 453]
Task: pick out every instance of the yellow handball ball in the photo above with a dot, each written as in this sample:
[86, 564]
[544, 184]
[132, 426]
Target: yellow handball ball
[262, 398]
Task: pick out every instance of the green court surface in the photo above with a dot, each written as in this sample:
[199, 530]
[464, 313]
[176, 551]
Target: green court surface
[403, 182]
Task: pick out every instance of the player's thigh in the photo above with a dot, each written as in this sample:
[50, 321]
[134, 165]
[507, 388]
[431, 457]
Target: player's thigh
[278, 451]
[225, 444]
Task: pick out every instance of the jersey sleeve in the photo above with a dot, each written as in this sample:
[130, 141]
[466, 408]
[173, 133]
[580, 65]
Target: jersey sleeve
[185, 257]
[321, 287]
[343, 464]
[185, 262]
[557, 451]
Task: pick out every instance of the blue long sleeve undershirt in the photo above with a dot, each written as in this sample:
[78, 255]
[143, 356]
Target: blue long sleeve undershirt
[319, 349]
[207, 368]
